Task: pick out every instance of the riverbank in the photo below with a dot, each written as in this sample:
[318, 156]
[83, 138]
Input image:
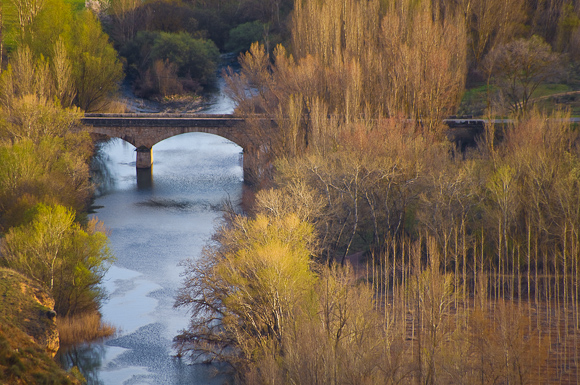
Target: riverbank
[171, 104]
[214, 100]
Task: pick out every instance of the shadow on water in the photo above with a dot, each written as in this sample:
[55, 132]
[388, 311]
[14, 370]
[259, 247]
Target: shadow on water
[87, 358]
[216, 99]
[101, 174]
[103, 168]
[144, 178]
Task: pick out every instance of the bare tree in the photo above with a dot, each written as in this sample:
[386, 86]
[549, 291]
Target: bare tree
[62, 72]
[492, 22]
[124, 16]
[519, 67]
[26, 11]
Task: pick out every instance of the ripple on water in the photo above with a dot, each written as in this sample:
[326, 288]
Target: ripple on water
[152, 230]
[129, 303]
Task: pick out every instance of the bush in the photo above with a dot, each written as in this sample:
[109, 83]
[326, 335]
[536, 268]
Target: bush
[242, 36]
[161, 15]
[195, 58]
[52, 171]
[170, 63]
[281, 317]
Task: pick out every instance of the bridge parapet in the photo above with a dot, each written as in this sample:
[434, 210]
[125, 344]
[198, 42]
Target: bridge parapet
[146, 120]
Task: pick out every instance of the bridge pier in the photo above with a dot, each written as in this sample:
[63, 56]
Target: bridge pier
[144, 157]
[252, 168]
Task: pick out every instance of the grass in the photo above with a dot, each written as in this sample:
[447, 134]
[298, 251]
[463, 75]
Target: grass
[551, 89]
[474, 101]
[547, 97]
[558, 96]
[81, 328]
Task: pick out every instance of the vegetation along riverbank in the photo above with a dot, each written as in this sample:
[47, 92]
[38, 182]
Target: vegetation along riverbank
[60, 64]
[467, 259]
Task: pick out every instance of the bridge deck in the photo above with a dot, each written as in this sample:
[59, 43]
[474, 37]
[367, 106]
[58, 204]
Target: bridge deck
[138, 118]
[160, 120]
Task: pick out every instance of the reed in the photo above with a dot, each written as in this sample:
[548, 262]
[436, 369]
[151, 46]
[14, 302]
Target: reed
[83, 328]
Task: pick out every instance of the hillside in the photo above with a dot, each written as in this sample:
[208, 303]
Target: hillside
[28, 334]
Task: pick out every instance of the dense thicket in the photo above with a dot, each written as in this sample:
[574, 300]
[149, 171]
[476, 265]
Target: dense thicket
[60, 63]
[80, 63]
[67, 258]
[465, 263]
[193, 31]
[356, 62]
[473, 264]
[170, 63]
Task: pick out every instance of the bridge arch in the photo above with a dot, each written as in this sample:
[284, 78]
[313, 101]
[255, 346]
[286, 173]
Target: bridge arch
[145, 130]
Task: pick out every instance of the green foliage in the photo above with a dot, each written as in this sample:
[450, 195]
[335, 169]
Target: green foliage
[43, 82]
[30, 117]
[216, 24]
[76, 5]
[242, 36]
[44, 155]
[158, 58]
[195, 58]
[251, 282]
[68, 259]
[10, 30]
[68, 56]
[53, 171]
[96, 69]
[168, 16]
[260, 304]
[54, 21]
[137, 51]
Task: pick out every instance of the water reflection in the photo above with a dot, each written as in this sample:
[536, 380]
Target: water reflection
[87, 358]
[144, 178]
[110, 165]
[217, 99]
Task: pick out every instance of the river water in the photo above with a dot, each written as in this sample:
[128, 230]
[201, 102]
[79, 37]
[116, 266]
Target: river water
[156, 220]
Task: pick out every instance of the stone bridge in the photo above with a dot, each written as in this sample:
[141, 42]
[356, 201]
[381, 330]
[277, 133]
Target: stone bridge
[145, 130]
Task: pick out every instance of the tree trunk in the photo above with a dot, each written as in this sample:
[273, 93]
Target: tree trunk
[1, 34]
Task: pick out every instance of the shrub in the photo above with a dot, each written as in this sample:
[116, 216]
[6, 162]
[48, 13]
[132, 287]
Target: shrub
[195, 58]
[242, 36]
[170, 63]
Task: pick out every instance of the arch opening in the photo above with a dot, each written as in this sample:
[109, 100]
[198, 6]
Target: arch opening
[210, 150]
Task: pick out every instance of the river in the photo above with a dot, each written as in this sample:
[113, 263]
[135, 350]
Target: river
[156, 220]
